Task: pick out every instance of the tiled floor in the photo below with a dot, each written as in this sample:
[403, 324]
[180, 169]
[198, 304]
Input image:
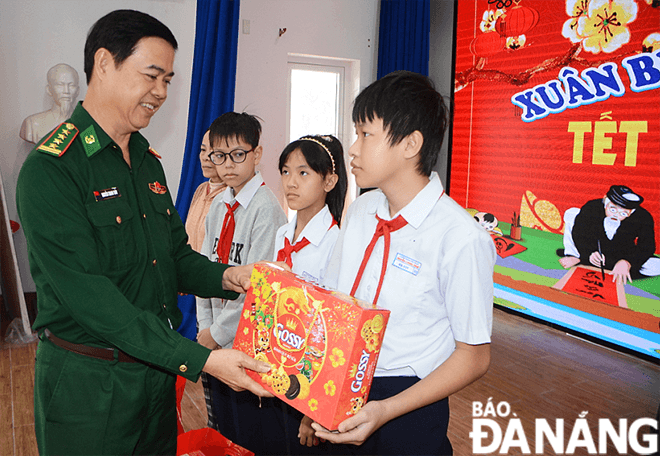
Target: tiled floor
[539, 371]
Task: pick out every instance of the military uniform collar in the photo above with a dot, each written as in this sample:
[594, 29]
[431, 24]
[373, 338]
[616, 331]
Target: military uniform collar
[95, 139]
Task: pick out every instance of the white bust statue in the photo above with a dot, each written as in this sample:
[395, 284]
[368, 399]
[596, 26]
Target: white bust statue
[63, 87]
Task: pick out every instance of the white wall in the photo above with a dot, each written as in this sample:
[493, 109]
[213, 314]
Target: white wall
[37, 34]
[346, 29]
[440, 63]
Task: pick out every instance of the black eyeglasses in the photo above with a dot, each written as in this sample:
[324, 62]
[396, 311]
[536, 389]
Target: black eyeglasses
[236, 155]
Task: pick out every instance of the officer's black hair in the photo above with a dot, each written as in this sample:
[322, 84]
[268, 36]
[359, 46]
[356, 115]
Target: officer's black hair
[320, 162]
[235, 125]
[119, 33]
[406, 102]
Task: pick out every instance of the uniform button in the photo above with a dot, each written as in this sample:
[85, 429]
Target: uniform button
[118, 219]
[154, 262]
[144, 215]
[183, 368]
[168, 212]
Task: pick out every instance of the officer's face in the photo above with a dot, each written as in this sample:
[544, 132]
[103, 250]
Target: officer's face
[138, 87]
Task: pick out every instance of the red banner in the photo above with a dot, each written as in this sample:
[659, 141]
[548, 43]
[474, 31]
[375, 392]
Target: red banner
[555, 102]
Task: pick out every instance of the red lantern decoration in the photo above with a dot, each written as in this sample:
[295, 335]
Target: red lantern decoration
[487, 44]
[516, 21]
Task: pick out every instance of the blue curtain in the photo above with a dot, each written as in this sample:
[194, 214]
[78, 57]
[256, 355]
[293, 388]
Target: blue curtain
[213, 85]
[211, 94]
[403, 39]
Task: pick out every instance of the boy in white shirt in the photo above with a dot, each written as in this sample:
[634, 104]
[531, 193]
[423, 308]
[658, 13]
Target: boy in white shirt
[410, 248]
[240, 229]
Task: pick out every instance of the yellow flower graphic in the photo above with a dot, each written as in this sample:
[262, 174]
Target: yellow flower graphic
[489, 19]
[605, 27]
[246, 331]
[577, 11]
[330, 388]
[337, 357]
[313, 404]
[246, 314]
[373, 342]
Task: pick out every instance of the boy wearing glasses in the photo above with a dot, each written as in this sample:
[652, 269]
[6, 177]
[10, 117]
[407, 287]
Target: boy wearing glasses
[614, 231]
[240, 229]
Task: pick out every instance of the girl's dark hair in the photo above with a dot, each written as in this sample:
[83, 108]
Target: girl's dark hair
[317, 159]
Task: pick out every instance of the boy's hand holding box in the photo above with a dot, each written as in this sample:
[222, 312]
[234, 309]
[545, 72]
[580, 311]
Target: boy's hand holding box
[322, 345]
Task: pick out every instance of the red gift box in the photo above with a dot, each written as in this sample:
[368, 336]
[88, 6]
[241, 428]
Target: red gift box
[322, 345]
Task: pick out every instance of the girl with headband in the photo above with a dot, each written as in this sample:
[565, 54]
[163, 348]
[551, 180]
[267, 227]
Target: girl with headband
[314, 181]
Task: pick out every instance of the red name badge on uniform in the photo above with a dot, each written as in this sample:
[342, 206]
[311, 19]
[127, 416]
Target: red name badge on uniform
[108, 193]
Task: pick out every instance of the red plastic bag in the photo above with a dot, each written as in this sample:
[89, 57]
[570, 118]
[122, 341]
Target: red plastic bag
[208, 442]
[180, 388]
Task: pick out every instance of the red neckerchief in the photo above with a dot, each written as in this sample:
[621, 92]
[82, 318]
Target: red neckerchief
[227, 234]
[384, 228]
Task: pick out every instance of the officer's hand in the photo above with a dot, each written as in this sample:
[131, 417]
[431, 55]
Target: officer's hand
[205, 339]
[621, 272]
[229, 366]
[237, 278]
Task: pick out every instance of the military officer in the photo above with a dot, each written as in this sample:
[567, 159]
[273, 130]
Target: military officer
[108, 254]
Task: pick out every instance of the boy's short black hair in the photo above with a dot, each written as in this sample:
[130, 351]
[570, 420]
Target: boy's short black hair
[119, 33]
[239, 126]
[406, 102]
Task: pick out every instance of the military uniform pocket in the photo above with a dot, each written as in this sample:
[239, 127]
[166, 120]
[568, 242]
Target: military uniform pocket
[113, 223]
[164, 211]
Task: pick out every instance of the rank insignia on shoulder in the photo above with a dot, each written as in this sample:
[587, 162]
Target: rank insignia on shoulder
[154, 153]
[157, 188]
[108, 193]
[59, 140]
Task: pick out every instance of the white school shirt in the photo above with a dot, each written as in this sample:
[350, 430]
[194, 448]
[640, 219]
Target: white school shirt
[257, 217]
[439, 280]
[311, 261]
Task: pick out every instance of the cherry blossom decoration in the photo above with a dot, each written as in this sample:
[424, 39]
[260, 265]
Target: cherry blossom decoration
[600, 25]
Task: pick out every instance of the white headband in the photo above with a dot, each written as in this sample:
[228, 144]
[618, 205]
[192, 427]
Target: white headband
[307, 138]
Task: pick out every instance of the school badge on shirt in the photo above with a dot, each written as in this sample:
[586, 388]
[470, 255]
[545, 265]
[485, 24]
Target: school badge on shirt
[407, 264]
[157, 188]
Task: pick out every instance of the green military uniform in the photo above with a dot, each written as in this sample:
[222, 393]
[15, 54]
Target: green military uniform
[108, 253]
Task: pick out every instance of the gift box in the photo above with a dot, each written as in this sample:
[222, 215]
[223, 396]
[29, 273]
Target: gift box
[322, 345]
